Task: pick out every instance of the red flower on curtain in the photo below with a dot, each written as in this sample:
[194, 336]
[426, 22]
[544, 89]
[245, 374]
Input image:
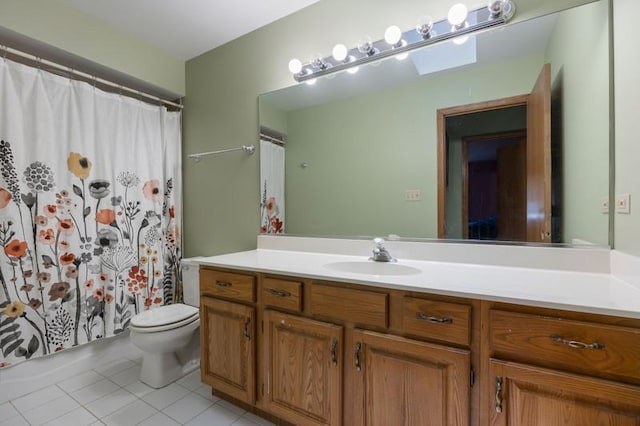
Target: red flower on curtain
[50, 210]
[66, 226]
[106, 216]
[67, 258]
[46, 237]
[16, 248]
[5, 198]
[151, 190]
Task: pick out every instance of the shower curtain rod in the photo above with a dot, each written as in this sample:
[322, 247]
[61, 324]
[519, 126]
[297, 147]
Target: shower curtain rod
[272, 139]
[86, 76]
[250, 149]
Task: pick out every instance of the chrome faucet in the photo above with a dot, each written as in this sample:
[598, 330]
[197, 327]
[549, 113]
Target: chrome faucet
[380, 253]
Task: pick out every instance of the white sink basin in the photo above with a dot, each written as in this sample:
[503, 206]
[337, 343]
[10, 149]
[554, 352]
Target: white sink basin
[373, 268]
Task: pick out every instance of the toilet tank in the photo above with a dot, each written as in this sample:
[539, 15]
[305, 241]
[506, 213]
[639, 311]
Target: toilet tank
[191, 281]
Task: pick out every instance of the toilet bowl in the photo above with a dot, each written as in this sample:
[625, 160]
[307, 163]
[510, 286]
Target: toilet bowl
[168, 336]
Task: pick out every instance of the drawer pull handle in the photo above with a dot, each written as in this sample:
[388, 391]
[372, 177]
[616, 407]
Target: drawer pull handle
[357, 356]
[498, 394]
[223, 284]
[576, 344]
[247, 323]
[436, 320]
[279, 293]
[334, 355]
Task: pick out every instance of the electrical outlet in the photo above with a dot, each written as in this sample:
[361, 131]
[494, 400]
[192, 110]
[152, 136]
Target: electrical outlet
[604, 205]
[412, 195]
[623, 203]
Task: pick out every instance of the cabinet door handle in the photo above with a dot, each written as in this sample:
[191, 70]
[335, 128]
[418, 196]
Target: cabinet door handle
[279, 293]
[576, 344]
[425, 317]
[247, 323]
[334, 348]
[357, 356]
[223, 284]
[498, 394]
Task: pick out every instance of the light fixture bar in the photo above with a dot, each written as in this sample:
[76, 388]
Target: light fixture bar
[477, 20]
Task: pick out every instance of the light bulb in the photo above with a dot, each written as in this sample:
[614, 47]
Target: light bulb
[460, 40]
[365, 46]
[404, 55]
[318, 62]
[311, 82]
[457, 14]
[353, 70]
[496, 7]
[295, 66]
[340, 52]
[393, 35]
[424, 26]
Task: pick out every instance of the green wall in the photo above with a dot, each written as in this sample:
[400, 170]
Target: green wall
[580, 66]
[627, 106]
[221, 194]
[59, 25]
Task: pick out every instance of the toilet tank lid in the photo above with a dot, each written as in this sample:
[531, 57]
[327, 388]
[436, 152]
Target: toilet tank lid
[164, 315]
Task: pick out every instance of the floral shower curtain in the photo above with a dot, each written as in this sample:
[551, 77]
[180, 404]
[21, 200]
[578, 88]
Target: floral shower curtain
[272, 188]
[89, 211]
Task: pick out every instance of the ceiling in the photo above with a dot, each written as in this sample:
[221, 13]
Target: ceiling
[188, 28]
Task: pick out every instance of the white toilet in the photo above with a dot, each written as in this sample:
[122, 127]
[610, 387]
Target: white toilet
[169, 335]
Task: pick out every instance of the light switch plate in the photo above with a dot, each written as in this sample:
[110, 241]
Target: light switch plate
[623, 203]
[412, 195]
[604, 205]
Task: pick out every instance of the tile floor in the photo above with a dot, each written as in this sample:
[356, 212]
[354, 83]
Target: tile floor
[111, 394]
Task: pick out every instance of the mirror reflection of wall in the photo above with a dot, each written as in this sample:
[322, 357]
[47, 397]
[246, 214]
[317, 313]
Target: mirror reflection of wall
[366, 144]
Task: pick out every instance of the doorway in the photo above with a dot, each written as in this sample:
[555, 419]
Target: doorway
[494, 185]
[536, 146]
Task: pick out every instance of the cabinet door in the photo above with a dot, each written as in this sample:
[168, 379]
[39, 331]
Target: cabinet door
[532, 396]
[303, 361]
[228, 348]
[405, 382]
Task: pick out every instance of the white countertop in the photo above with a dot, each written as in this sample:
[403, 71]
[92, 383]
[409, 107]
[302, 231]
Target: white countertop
[593, 292]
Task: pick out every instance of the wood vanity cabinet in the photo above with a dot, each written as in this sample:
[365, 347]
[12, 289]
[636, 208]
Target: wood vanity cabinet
[557, 368]
[408, 382]
[320, 353]
[227, 334]
[303, 365]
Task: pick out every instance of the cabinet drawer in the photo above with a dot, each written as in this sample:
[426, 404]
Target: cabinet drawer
[347, 304]
[228, 284]
[448, 322]
[283, 294]
[592, 348]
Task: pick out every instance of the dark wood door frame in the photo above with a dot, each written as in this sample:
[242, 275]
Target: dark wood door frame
[442, 115]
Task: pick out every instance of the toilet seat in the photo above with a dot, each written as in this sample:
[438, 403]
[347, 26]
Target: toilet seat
[164, 318]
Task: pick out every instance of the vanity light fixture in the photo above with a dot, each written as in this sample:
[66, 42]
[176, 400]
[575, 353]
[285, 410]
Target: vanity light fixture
[295, 66]
[393, 37]
[496, 7]
[366, 47]
[460, 22]
[458, 15]
[424, 26]
[340, 52]
[319, 62]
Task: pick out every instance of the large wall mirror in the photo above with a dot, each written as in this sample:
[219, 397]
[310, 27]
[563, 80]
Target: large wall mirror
[362, 150]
